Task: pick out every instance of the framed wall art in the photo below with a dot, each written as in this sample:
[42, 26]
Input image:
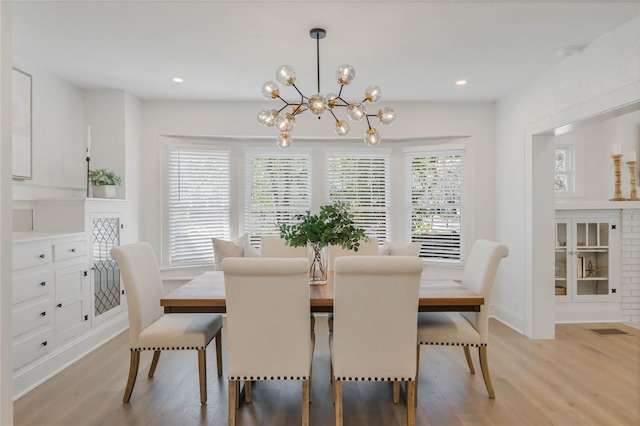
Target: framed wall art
[21, 124]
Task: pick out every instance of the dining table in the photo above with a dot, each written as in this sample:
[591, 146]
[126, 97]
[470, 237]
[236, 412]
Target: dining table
[206, 294]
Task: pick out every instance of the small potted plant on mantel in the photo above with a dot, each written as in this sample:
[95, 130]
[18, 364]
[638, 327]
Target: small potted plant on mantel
[104, 183]
[332, 226]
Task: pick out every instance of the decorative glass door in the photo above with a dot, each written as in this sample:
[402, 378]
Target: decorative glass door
[106, 274]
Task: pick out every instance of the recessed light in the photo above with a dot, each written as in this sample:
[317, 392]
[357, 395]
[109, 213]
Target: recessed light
[461, 82]
[177, 80]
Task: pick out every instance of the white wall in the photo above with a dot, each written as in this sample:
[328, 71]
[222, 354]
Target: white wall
[58, 139]
[6, 364]
[604, 76]
[239, 119]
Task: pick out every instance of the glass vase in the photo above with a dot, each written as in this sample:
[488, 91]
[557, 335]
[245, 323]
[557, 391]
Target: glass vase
[318, 263]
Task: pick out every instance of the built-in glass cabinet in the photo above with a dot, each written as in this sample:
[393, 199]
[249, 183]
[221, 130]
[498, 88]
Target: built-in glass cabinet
[584, 253]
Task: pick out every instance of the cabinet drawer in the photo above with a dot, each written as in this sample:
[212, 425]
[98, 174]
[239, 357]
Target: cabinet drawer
[69, 250]
[31, 255]
[29, 349]
[32, 316]
[32, 285]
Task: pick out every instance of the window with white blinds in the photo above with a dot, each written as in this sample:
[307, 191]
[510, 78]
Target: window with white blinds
[278, 187]
[363, 180]
[198, 203]
[436, 202]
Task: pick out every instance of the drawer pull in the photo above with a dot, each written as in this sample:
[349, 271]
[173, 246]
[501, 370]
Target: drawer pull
[72, 250]
[59, 305]
[44, 343]
[43, 313]
[41, 256]
[43, 283]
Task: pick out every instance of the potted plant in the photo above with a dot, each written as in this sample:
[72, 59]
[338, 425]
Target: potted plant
[332, 226]
[104, 183]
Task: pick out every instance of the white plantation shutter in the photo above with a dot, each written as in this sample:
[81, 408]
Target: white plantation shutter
[363, 180]
[436, 202]
[198, 203]
[278, 186]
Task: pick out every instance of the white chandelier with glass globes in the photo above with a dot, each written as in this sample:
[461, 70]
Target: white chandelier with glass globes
[284, 119]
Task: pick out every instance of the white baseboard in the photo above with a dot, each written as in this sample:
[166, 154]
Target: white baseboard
[507, 317]
[589, 313]
[42, 369]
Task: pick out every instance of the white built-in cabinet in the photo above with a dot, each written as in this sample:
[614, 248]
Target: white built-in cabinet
[587, 265]
[67, 294]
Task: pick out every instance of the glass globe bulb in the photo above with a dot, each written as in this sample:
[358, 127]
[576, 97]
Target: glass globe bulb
[285, 122]
[342, 128]
[371, 137]
[267, 117]
[270, 90]
[332, 100]
[284, 141]
[317, 104]
[372, 93]
[286, 75]
[345, 74]
[356, 111]
[386, 115]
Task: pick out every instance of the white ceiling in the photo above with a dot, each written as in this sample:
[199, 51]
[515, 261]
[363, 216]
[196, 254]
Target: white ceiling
[226, 50]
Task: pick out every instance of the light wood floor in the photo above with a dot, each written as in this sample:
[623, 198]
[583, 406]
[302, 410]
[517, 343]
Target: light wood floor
[580, 378]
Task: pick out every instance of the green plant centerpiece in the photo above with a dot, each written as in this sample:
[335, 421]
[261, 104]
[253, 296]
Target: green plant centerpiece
[104, 183]
[332, 226]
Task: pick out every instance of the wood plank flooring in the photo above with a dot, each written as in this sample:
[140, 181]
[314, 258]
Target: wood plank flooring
[580, 378]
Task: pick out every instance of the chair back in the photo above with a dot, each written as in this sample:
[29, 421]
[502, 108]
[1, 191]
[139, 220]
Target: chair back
[367, 248]
[274, 246]
[142, 284]
[268, 322]
[479, 276]
[375, 317]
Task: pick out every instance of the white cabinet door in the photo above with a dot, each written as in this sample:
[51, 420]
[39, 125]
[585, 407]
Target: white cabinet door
[71, 302]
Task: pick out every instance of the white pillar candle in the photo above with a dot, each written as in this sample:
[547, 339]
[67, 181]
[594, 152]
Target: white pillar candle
[632, 156]
[89, 141]
[616, 148]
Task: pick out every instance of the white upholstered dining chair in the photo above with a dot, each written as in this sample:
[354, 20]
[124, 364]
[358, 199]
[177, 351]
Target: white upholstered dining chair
[269, 335]
[365, 346]
[274, 246]
[149, 328]
[468, 329]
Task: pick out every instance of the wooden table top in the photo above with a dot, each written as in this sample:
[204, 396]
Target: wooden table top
[205, 293]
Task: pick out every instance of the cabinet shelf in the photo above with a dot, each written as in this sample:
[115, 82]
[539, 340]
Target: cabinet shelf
[593, 279]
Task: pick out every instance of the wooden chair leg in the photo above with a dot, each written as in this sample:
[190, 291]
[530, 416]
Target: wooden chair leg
[202, 368]
[396, 392]
[484, 366]
[306, 400]
[219, 352]
[337, 388]
[247, 391]
[417, 371]
[233, 395]
[411, 403]
[154, 363]
[467, 355]
[133, 373]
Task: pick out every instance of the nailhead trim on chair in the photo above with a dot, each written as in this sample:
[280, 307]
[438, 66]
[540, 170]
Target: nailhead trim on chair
[453, 344]
[267, 378]
[168, 349]
[377, 379]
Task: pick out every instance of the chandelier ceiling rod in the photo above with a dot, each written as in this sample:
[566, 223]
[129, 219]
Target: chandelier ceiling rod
[318, 33]
[317, 104]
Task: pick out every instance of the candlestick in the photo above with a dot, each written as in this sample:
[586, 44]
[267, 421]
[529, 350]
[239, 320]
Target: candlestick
[632, 170]
[89, 141]
[617, 196]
